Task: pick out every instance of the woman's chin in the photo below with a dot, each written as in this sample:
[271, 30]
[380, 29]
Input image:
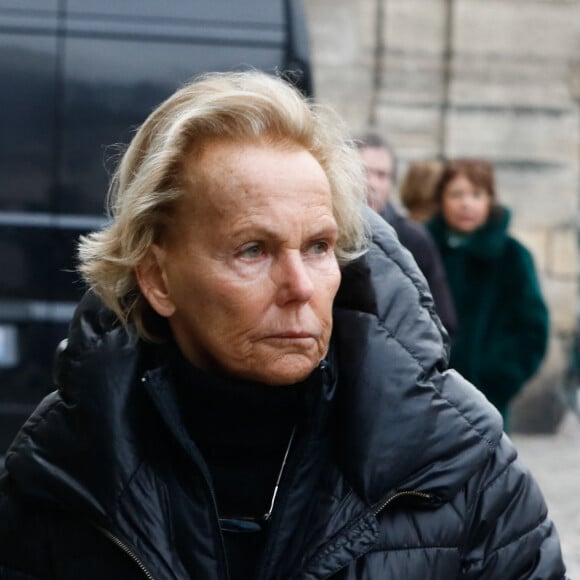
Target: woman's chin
[286, 370]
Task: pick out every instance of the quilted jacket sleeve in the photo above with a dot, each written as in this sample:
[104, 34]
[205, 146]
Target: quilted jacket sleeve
[509, 534]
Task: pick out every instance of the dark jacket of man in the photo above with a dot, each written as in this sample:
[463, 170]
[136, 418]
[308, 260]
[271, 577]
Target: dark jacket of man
[403, 471]
[418, 241]
[503, 319]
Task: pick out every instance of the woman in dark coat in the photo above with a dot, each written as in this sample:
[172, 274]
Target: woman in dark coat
[502, 317]
[233, 404]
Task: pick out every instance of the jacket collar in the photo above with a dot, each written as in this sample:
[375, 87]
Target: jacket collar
[93, 411]
[405, 422]
[487, 242]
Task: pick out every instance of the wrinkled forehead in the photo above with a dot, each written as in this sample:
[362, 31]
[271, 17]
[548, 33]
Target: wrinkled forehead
[230, 178]
[203, 155]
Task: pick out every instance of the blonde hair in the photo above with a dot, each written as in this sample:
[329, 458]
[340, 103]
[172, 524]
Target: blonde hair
[148, 181]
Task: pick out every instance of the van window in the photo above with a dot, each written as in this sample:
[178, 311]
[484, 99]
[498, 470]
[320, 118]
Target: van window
[78, 77]
[103, 103]
[27, 105]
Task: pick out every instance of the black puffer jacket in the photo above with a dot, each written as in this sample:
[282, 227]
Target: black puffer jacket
[405, 474]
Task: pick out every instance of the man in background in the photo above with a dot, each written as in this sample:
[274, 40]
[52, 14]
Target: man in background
[380, 162]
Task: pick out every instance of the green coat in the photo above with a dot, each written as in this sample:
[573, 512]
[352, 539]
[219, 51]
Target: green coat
[502, 317]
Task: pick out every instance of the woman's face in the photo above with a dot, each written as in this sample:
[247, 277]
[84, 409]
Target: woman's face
[248, 275]
[465, 206]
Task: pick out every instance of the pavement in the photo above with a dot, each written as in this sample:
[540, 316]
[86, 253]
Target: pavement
[554, 460]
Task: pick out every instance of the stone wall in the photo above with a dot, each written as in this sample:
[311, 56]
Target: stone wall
[493, 78]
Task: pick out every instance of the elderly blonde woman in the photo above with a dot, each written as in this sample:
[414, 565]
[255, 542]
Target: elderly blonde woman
[256, 388]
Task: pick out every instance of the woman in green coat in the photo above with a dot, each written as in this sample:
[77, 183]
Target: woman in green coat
[502, 318]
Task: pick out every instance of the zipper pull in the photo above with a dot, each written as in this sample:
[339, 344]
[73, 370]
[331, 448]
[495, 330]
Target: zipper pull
[427, 497]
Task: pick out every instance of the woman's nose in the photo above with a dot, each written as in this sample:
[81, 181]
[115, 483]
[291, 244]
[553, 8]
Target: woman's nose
[465, 201]
[293, 279]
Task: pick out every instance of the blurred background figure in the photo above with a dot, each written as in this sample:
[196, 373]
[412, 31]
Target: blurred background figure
[417, 189]
[380, 163]
[502, 318]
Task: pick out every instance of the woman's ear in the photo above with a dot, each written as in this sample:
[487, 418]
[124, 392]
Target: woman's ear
[152, 281]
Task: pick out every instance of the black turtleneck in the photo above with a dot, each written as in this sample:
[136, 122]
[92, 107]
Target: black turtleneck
[242, 430]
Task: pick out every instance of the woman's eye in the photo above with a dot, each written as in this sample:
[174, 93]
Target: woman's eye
[251, 251]
[319, 247]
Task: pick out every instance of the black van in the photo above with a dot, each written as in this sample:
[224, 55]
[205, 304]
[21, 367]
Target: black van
[77, 76]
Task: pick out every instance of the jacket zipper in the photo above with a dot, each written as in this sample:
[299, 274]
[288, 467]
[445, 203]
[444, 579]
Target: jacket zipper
[146, 379]
[127, 551]
[411, 493]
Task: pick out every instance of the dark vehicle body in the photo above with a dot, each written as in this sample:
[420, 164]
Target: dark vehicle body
[78, 76]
